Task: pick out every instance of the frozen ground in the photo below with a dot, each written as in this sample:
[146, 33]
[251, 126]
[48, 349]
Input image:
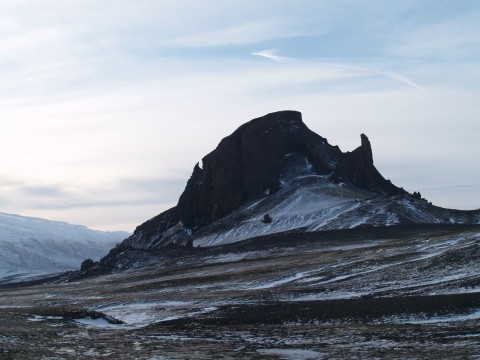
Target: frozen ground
[394, 292]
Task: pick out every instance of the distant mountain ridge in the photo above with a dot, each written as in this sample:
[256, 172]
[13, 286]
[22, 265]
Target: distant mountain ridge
[31, 246]
[275, 165]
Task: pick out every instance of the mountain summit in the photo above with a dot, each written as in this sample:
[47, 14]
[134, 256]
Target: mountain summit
[253, 159]
[251, 162]
[272, 175]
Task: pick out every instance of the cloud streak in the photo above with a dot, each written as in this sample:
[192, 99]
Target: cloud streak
[270, 54]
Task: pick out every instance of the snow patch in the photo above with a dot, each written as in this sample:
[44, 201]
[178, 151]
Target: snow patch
[137, 315]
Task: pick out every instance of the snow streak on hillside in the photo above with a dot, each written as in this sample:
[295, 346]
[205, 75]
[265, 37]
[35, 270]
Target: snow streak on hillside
[31, 246]
[313, 203]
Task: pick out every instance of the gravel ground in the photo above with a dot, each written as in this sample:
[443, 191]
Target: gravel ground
[385, 293]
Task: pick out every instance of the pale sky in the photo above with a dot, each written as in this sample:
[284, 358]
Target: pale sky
[106, 106]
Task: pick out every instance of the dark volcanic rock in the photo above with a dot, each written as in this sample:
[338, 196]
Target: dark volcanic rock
[251, 160]
[249, 163]
[357, 167]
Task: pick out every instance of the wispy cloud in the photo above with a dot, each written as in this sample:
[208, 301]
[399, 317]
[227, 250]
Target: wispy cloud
[270, 54]
[403, 79]
[387, 74]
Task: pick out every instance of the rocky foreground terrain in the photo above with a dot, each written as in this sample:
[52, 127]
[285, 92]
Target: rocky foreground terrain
[385, 292]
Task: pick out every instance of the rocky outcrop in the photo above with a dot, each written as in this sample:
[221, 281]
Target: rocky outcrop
[358, 169]
[249, 163]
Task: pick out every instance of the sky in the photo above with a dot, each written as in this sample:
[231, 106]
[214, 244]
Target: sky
[106, 106]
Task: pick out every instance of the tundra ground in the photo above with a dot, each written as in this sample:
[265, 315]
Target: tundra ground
[372, 293]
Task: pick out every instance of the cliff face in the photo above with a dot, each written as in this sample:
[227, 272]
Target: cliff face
[250, 163]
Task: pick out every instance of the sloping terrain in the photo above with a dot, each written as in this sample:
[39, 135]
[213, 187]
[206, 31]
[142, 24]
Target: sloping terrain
[396, 292]
[31, 247]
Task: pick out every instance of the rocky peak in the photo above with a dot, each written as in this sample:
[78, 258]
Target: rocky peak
[357, 166]
[366, 148]
[252, 162]
[249, 162]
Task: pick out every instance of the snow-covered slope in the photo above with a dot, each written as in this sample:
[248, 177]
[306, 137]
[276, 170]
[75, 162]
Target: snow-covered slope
[311, 202]
[32, 246]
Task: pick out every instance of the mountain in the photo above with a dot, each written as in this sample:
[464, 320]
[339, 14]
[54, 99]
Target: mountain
[32, 247]
[272, 175]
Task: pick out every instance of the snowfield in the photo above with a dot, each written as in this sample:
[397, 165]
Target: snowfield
[32, 247]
